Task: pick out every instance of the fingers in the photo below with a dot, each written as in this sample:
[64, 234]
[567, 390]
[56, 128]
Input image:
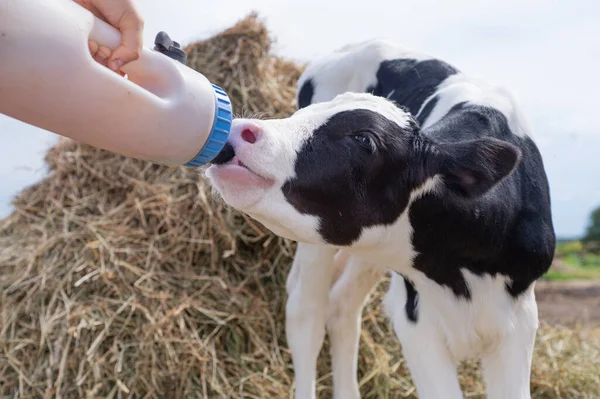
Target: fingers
[122, 15]
[100, 54]
[93, 46]
[131, 26]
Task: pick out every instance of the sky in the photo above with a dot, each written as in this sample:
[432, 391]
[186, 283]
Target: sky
[546, 51]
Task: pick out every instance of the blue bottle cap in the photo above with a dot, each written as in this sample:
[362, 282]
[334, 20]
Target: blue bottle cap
[220, 130]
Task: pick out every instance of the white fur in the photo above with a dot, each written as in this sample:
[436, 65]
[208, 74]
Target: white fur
[460, 87]
[318, 113]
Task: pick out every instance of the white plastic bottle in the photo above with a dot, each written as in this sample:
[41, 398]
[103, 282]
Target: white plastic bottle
[163, 111]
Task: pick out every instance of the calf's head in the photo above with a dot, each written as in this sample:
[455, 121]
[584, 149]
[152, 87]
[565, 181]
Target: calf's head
[334, 169]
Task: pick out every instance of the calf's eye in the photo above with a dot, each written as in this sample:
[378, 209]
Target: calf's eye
[364, 141]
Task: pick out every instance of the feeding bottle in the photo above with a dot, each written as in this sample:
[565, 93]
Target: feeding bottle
[162, 111]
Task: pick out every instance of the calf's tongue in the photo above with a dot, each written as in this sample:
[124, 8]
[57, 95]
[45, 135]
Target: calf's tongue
[226, 155]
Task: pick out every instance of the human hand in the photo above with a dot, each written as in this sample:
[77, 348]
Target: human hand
[122, 15]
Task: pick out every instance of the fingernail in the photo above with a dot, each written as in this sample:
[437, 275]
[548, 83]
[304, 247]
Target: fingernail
[116, 64]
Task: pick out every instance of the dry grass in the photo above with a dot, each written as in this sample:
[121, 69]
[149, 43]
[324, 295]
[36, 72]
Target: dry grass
[120, 278]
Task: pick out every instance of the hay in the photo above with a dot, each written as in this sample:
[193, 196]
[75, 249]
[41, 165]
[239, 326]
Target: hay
[240, 60]
[120, 278]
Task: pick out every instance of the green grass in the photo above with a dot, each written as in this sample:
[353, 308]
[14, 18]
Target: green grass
[572, 275]
[577, 262]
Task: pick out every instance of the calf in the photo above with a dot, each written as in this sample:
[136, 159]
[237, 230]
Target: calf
[398, 162]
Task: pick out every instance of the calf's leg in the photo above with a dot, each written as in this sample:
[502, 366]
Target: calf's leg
[507, 368]
[432, 368]
[346, 301]
[309, 283]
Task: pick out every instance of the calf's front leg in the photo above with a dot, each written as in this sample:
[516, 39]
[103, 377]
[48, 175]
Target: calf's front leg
[306, 312]
[507, 370]
[346, 302]
[432, 367]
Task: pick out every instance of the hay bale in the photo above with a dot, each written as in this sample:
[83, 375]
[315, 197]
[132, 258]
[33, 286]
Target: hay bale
[120, 278]
[239, 59]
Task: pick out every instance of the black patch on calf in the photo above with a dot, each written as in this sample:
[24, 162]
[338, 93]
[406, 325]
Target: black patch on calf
[412, 298]
[412, 82]
[344, 183]
[306, 93]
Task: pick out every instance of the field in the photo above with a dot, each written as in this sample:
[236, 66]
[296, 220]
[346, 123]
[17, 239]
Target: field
[575, 261]
[124, 279]
[570, 292]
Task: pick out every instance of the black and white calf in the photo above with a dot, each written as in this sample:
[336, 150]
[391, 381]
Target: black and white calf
[398, 162]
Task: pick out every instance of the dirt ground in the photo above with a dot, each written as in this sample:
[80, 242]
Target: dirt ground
[569, 302]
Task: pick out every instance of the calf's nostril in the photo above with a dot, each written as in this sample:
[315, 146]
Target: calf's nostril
[249, 136]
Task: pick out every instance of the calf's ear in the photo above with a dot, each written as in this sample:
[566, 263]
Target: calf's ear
[471, 168]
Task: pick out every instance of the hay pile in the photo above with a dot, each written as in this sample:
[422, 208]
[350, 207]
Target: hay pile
[120, 278]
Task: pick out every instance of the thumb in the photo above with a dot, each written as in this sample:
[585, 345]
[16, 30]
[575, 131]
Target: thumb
[131, 27]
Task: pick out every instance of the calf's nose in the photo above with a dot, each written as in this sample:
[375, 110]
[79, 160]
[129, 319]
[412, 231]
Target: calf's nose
[249, 132]
[243, 132]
